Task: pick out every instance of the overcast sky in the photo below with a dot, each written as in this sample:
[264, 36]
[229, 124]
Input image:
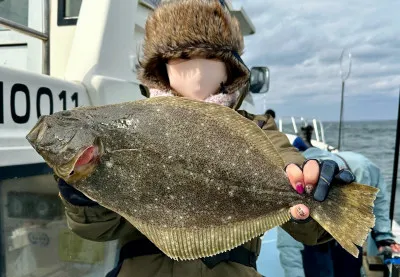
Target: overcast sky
[301, 42]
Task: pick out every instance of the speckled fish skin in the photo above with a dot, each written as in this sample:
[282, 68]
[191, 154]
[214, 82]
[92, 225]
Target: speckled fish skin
[196, 178]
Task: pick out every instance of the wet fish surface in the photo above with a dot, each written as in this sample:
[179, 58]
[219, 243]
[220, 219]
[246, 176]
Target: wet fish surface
[196, 178]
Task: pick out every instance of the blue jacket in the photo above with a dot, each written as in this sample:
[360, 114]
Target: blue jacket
[365, 172]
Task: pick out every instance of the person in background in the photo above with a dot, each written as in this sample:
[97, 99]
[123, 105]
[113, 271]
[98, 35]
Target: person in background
[270, 112]
[330, 259]
[306, 134]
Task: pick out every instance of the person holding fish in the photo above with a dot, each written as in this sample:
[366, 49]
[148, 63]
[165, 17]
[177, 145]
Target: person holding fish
[227, 166]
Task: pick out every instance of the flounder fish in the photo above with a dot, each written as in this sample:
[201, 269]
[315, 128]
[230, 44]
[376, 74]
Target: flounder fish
[196, 178]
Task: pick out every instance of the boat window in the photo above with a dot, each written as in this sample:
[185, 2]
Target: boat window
[35, 239]
[68, 12]
[16, 11]
[151, 3]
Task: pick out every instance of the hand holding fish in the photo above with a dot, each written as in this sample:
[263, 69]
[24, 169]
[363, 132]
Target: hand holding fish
[307, 178]
[303, 180]
[388, 245]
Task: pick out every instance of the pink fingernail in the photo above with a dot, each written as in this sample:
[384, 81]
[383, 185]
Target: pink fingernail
[309, 189]
[300, 211]
[299, 188]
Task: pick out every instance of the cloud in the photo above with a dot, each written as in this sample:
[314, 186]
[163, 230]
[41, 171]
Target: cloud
[301, 42]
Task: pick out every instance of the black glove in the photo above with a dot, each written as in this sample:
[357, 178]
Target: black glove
[74, 196]
[329, 173]
[385, 242]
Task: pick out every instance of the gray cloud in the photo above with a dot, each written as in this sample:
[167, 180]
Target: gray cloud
[301, 41]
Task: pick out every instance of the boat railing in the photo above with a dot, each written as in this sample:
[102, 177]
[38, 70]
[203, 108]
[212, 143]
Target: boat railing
[296, 123]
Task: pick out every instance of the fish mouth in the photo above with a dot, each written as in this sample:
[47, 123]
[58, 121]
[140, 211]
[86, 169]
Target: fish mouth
[82, 165]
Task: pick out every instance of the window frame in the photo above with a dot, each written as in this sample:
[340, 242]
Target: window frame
[62, 20]
[149, 4]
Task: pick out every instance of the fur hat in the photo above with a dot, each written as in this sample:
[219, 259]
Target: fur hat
[191, 28]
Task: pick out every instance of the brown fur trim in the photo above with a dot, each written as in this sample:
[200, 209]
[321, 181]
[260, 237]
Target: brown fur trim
[191, 28]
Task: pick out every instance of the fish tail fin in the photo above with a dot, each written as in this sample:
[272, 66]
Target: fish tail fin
[347, 214]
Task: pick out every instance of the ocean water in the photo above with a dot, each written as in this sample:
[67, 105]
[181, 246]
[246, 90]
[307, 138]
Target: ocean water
[375, 140]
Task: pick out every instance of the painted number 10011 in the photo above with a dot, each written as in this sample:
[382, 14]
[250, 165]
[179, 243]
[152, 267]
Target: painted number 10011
[41, 93]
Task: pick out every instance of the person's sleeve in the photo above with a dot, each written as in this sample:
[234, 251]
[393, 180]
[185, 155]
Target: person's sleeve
[371, 175]
[288, 153]
[90, 220]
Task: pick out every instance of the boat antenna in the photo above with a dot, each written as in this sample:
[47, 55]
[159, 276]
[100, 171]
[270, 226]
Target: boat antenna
[395, 165]
[344, 75]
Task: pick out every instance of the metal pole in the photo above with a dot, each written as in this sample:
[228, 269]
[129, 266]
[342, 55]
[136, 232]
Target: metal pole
[23, 29]
[46, 44]
[395, 165]
[341, 116]
[344, 76]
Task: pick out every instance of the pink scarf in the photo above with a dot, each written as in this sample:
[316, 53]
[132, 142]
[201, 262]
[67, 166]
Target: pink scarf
[227, 100]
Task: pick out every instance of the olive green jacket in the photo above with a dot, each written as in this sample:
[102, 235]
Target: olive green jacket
[100, 224]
